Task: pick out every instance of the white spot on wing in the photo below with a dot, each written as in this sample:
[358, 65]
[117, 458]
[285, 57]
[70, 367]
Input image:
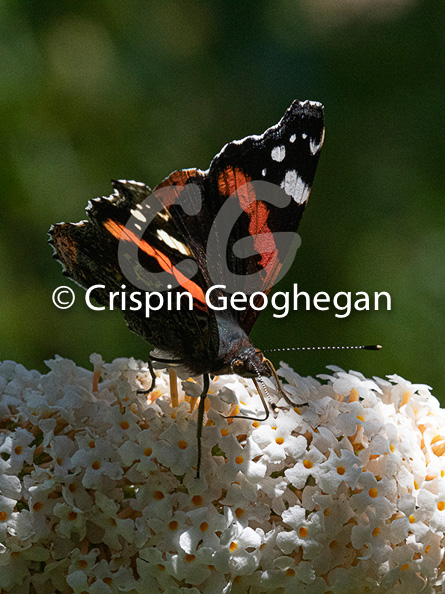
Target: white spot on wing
[138, 226]
[293, 138]
[138, 215]
[172, 242]
[314, 146]
[294, 186]
[263, 173]
[278, 153]
[304, 136]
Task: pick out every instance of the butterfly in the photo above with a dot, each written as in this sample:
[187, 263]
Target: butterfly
[185, 235]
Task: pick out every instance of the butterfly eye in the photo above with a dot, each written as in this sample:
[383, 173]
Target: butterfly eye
[238, 366]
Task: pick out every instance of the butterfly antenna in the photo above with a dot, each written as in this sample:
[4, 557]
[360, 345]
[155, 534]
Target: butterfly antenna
[277, 381]
[367, 347]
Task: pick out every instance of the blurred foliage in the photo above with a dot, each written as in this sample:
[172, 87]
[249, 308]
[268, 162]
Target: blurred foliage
[93, 91]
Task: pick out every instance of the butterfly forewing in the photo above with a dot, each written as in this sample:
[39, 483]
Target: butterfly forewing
[284, 156]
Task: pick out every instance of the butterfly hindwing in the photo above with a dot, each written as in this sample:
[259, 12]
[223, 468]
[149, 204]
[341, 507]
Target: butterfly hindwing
[89, 254]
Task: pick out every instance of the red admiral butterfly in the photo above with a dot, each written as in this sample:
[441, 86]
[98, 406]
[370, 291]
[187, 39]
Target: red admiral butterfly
[203, 340]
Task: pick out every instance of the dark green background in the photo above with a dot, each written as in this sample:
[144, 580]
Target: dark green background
[92, 91]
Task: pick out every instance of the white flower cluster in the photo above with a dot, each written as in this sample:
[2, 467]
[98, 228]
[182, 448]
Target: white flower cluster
[345, 492]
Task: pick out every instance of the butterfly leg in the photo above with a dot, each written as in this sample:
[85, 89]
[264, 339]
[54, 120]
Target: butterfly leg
[201, 409]
[153, 379]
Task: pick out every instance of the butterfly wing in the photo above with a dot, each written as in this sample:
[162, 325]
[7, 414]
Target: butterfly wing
[89, 252]
[255, 190]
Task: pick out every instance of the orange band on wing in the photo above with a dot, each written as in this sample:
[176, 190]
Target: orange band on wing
[119, 231]
[233, 180]
[230, 180]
